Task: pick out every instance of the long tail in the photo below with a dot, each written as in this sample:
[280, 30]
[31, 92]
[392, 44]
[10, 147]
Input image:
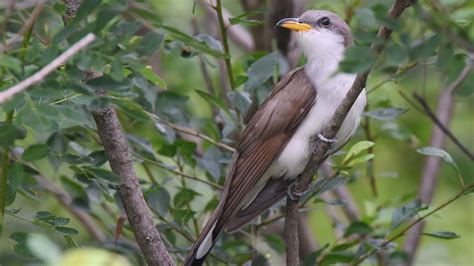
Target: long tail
[206, 240]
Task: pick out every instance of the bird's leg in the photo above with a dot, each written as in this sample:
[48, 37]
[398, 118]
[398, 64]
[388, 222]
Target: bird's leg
[332, 141]
[295, 195]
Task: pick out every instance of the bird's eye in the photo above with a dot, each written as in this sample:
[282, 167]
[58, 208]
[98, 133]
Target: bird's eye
[325, 22]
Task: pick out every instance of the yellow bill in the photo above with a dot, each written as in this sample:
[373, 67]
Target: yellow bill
[293, 24]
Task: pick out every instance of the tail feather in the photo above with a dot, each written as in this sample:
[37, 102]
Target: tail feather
[206, 240]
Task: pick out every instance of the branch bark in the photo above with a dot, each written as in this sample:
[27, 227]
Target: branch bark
[291, 235]
[320, 148]
[432, 164]
[139, 216]
[121, 163]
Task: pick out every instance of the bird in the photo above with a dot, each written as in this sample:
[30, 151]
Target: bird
[275, 146]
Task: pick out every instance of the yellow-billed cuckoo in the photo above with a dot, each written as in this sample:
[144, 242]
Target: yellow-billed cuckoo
[275, 146]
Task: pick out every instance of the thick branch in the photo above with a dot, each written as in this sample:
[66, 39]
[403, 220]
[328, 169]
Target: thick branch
[139, 216]
[120, 160]
[40, 75]
[320, 148]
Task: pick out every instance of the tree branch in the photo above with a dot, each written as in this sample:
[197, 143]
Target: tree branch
[45, 71]
[66, 200]
[320, 148]
[139, 216]
[430, 173]
[121, 163]
[191, 132]
[415, 222]
[291, 235]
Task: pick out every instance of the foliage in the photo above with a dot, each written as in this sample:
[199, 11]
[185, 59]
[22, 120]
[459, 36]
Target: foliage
[151, 64]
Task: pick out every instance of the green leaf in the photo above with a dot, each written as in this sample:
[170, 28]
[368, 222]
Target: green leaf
[243, 19]
[276, 242]
[210, 162]
[98, 104]
[344, 246]
[311, 259]
[184, 196]
[103, 174]
[361, 159]
[35, 152]
[11, 63]
[210, 41]
[337, 257]
[159, 199]
[432, 151]
[132, 109]
[426, 47]
[260, 71]
[405, 212]
[20, 247]
[385, 114]
[15, 179]
[9, 133]
[66, 231]
[325, 185]
[241, 100]
[358, 228]
[356, 149]
[191, 41]
[357, 59]
[181, 216]
[150, 43]
[443, 235]
[150, 75]
[218, 102]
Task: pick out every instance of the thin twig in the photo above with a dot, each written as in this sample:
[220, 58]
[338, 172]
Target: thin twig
[167, 168]
[442, 119]
[440, 125]
[45, 71]
[26, 26]
[191, 132]
[66, 200]
[421, 218]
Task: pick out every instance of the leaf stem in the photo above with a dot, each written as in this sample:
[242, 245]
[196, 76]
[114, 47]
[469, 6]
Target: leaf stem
[225, 43]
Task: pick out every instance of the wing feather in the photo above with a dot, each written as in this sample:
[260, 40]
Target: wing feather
[265, 137]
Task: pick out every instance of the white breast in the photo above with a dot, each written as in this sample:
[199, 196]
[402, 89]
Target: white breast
[295, 155]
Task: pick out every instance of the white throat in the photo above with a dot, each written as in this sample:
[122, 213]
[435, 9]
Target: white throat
[323, 50]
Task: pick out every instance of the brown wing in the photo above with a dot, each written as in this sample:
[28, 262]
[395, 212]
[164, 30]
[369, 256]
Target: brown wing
[265, 137]
[262, 141]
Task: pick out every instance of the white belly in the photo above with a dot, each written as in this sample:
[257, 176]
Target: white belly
[295, 155]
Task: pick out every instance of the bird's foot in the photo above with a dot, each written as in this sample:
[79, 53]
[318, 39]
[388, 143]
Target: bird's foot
[295, 195]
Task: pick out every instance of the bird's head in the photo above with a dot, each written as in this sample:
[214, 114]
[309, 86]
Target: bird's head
[319, 32]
